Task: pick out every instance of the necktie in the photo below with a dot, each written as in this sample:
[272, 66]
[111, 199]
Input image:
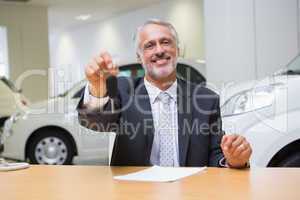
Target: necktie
[166, 131]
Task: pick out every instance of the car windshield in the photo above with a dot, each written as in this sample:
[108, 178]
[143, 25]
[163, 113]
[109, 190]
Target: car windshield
[9, 84]
[294, 66]
[132, 70]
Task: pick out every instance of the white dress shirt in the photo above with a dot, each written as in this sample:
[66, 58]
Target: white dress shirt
[92, 102]
[153, 92]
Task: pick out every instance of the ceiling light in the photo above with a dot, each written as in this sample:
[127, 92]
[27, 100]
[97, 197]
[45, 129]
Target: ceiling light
[83, 17]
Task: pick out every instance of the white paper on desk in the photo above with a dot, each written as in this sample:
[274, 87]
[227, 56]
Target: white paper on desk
[161, 174]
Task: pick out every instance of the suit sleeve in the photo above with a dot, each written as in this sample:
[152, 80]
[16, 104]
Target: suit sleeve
[216, 134]
[99, 119]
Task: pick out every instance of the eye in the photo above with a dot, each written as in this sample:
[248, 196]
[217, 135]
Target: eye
[148, 46]
[166, 42]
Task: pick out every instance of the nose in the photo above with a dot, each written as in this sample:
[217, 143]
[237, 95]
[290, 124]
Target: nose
[159, 50]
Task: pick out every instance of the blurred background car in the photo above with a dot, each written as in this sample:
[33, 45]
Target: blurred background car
[49, 132]
[267, 113]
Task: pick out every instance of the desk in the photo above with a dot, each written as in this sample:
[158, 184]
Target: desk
[95, 182]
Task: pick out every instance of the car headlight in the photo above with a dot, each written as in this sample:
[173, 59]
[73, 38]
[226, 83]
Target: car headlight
[15, 117]
[7, 129]
[249, 100]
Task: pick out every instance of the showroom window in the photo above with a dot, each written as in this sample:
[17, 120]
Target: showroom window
[3, 52]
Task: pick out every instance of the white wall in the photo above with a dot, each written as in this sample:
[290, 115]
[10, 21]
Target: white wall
[276, 34]
[249, 39]
[27, 32]
[72, 49]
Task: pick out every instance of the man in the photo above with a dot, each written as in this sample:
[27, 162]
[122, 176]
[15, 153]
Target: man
[159, 119]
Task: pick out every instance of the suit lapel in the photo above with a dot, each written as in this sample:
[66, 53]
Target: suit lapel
[184, 119]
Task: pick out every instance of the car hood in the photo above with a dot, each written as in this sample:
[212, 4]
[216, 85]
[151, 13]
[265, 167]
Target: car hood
[232, 89]
[45, 103]
[53, 105]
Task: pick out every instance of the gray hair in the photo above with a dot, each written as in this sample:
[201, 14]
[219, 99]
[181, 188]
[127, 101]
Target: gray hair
[136, 37]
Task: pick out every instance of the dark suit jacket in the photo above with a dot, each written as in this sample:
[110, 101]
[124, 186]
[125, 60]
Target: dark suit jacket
[199, 123]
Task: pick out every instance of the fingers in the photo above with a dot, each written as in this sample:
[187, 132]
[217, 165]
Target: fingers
[101, 65]
[242, 148]
[91, 69]
[97, 71]
[108, 63]
[227, 141]
[237, 142]
[234, 145]
[246, 153]
[99, 61]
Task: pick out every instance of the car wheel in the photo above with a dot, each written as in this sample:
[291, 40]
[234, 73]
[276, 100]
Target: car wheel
[291, 161]
[51, 147]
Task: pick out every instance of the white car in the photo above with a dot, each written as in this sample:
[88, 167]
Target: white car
[11, 99]
[49, 132]
[267, 113]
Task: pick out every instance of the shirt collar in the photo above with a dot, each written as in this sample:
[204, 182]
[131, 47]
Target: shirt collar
[154, 91]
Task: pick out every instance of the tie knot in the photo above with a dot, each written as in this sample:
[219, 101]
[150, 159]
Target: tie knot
[164, 97]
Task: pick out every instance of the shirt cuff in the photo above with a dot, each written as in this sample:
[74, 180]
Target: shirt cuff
[223, 163]
[92, 102]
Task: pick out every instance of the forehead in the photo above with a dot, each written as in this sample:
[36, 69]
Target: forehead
[154, 32]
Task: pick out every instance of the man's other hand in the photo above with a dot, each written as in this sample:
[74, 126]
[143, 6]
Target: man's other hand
[236, 149]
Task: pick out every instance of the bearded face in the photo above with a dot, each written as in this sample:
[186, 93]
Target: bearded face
[158, 51]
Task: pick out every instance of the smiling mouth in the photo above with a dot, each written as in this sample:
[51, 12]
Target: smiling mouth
[161, 61]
